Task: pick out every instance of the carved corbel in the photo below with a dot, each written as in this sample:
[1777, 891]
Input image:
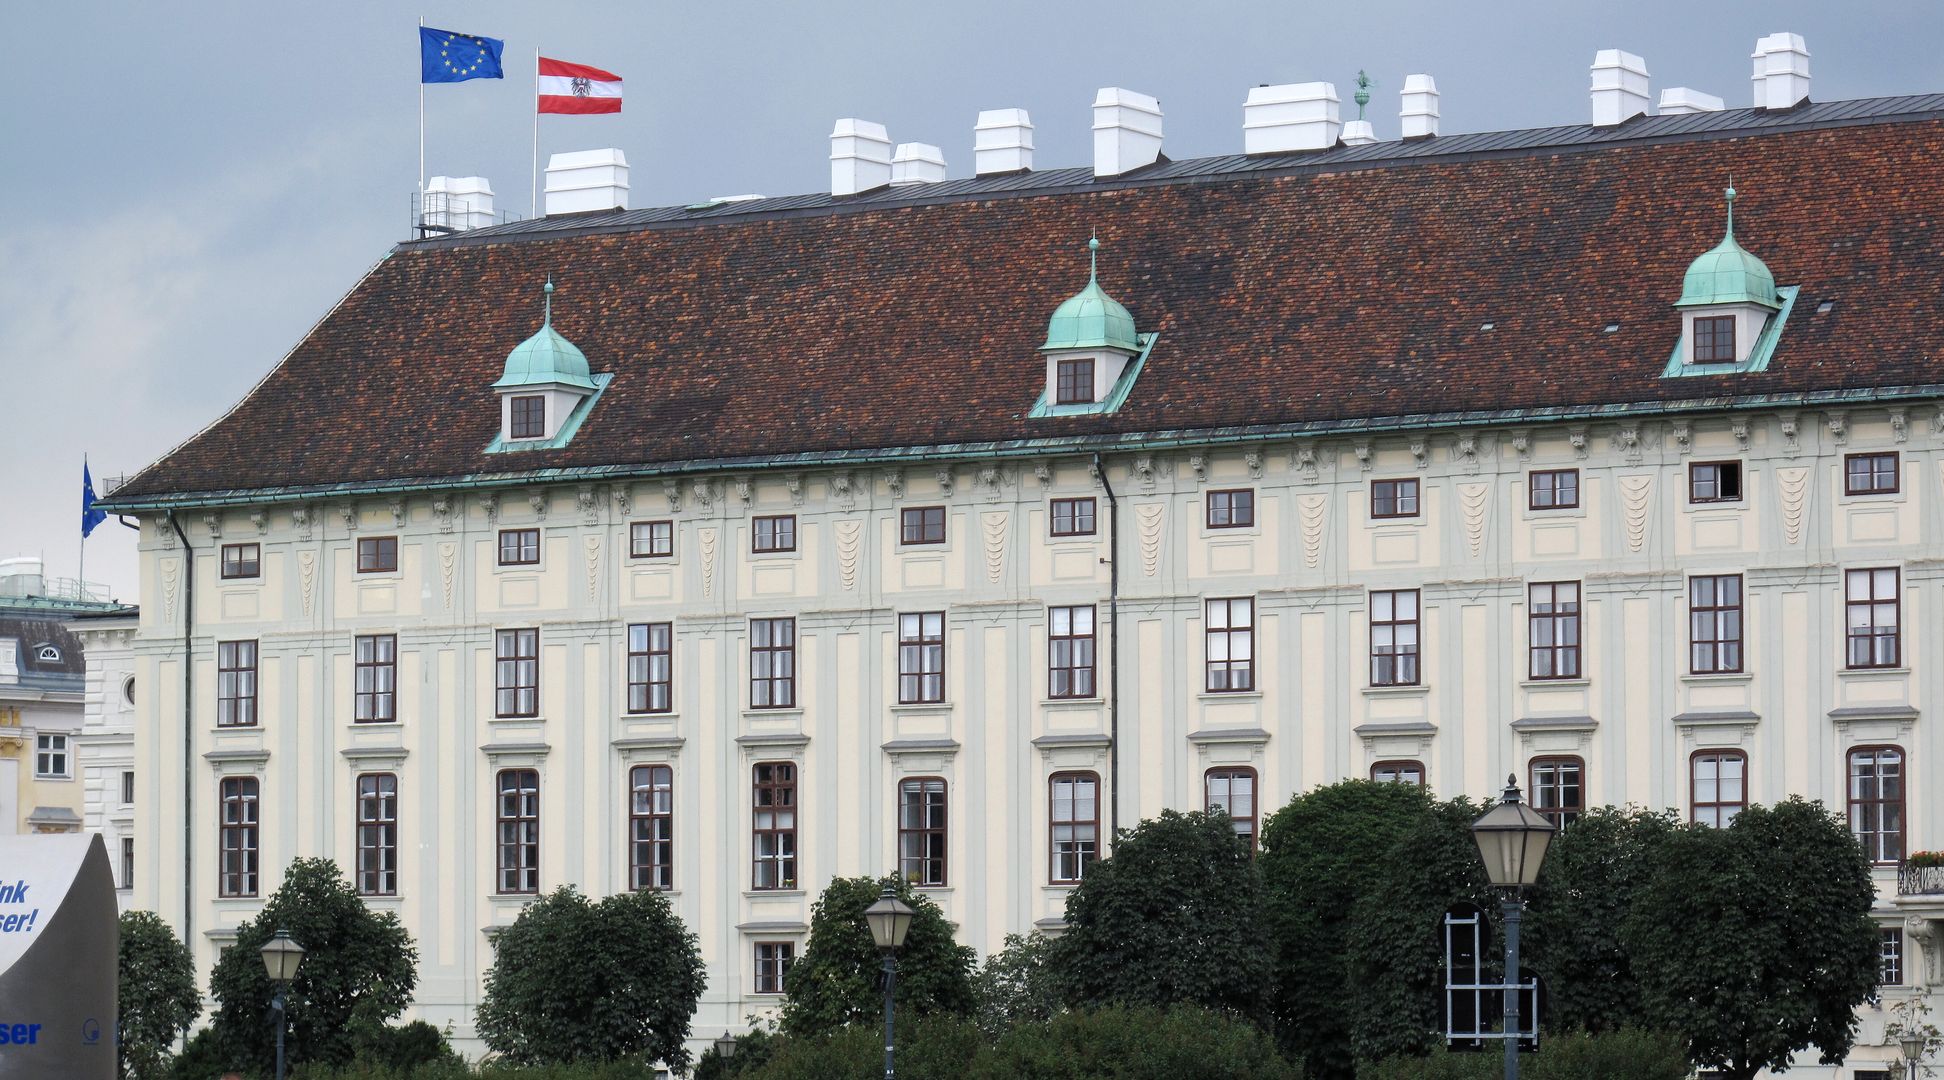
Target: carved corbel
[1421, 451]
[1577, 436]
[1522, 445]
[991, 478]
[589, 503]
[624, 500]
[397, 508]
[1199, 463]
[489, 504]
[672, 491]
[1925, 932]
[1626, 440]
[943, 474]
[1093, 471]
[1253, 459]
[793, 483]
[1303, 460]
[1899, 425]
[1682, 433]
[1838, 424]
[1465, 451]
[745, 490]
[261, 520]
[538, 501]
[302, 517]
[1144, 470]
[1043, 472]
[704, 492]
[442, 510]
[1362, 449]
[1790, 434]
[214, 523]
[349, 514]
[843, 487]
[894, 482]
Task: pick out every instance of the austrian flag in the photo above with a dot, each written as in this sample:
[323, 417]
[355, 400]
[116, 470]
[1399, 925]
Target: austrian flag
[577, 88]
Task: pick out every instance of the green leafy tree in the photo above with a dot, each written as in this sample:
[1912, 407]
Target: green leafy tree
[359, 968]
[1135, 1043]
[580, 980]
[157, 995]
[1017, 985]
[1175, 916]
[836, 980]
[933, 1047]
[1615, 1055]
[1755, 942]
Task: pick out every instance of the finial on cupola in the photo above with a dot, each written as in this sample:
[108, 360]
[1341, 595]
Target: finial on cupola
[1362, 96]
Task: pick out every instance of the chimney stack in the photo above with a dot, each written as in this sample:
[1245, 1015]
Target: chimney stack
[1681, 100]
[1002, 142]
[1294, 116]
[587, 180]
[1126, 130]
[1420, 112]
[458, 203]
[860, 156]
[917, 163]
[1781, 71]
[1358, 133]
[1619, 87]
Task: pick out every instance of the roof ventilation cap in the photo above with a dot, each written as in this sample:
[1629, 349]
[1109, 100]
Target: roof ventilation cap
[458, 203]
[917, 163]
[587, 180]
[1681, 100]
[1420, 111]
[1002, 142]
[860, 156]
[1619, 87]
[1126, 131]
[1781, 71]
[1295, 116]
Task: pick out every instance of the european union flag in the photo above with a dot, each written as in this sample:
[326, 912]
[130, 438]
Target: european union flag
[449, 56]
[90, 517]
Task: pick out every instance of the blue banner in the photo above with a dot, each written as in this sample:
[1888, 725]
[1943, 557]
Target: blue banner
[90, 517]
[449, 56]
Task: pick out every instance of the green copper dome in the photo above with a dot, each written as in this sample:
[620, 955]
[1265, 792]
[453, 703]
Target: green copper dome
[1091, 319]
[1728, 274]
[546, 359]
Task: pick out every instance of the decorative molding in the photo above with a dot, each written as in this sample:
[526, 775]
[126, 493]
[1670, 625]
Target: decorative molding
[1253, 461]
[1198, 462]
[593, 544]
[946, 478]
[1144, 470]
[849, 531]
[1147, 519]
[1682, 433]
[1066, 742]
[894, 482]
[515, 753]
[1464, 450]
[843, 486]
[1838, 425]
[1899, 425]
[1420, 451]
[375, 755]
[589, 503]
[261, 520]
[1577, 437]
[1626, 441]
[793, 483]
[214, 523]
[1522, 445]
[1554, 723]
[397, 508]
[241, 759]
[623, 499]
[1361, 448]
[1785, 422]
[537, 500]
[776, 741]
[307, 577]
[705, 539]
[705, 492]
[995, 545]
[489, 504]
[348, 513]
[448, 564]
[1313, 512]
[171, 571]
[1793, 484]
[652, 744]
[672, 491]
[1635, 492]
[1741, 718]
[1229, 735]
[1303, 460]
[442, 510]
[303, 517]
[1397, 733]
[1472, 500]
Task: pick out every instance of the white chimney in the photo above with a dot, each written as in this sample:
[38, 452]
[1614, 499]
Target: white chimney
[1358, 133]
[1420, 112]
[1619, 87]
[1294, 116]
[860, 156]
[1781, 71]
[1126, 130]
[1002, 142]
[917, 163]
[458, 203]
[1681, 100]
[587, 180]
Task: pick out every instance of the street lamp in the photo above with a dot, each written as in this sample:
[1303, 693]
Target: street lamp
[889, 919]
[1913, 1044]
[280, 958]
[726, 1046]
[1512, 838]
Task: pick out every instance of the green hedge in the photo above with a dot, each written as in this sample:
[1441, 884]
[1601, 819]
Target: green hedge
[456, 1071]
[1622, 1055]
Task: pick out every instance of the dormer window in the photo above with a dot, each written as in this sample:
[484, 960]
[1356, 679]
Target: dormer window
[48, 654]
[545, 391]
[1075, 382]
[1092, 353]
[1730, 308]
[1714, 339]
[530, 417]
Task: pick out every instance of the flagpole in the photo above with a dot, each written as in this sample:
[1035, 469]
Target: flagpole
[420, 179]
[533, 192]
[81, 571]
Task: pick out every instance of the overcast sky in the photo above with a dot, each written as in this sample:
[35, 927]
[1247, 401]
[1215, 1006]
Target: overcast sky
[189, 187]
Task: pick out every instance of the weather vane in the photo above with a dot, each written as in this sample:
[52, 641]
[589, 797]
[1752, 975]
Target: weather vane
[1362, 96]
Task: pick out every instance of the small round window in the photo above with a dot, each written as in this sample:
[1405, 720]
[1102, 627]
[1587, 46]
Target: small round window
[49, 654]
[128, 689]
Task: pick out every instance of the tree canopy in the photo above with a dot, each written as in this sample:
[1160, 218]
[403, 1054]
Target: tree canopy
[835, 981]
[157, 994]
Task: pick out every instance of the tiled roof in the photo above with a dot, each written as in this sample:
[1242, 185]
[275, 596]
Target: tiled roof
[1346, 287]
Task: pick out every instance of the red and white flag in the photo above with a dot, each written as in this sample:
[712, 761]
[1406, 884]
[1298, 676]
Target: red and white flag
[577, 88]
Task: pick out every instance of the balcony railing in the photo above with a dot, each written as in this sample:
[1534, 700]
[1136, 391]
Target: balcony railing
[1920, 880]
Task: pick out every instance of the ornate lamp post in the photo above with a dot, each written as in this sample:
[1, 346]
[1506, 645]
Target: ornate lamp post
[725, 1046]
[1512, 838]
[280, 958]
[1913, 1044]
[889, 919]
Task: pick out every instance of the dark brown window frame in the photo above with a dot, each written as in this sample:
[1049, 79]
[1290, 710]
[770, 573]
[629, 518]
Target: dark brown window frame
[524, 545]
[516, 836]
[1404, 660]
[772, 533]
[1720, 652]
[1230, 508]
[767, 688]
[1073, 381]
[647, 530]
[377, 554]
[1883, 847]
[1401, 490]
[641, 667]
[1085, 849]
[1716, 806]
[1228, 666]
[924, 847]
[1711, 345]
[236, 683]
[240, 568]
[1872, 636]
[374, 697]
[933, 526]
[1074, 517]
[777, 820]
[512, 650]
[1247, 826]
[1548, 799]
[1873, 472]
[1553, 488]
[772, 972]
[921, 658]
[1695, 498]
[376, 822]
[1555, 620]
[1066, 675]
[527, 418]
[651, 826]
[238, 836]
[1400, 766]
[127, 862]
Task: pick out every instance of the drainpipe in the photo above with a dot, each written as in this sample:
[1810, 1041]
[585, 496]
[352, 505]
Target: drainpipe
[1113, 652]
[188, 731]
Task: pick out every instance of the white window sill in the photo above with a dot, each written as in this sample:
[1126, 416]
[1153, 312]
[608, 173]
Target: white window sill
[781, 894]
[649, 717]
[1872, 672]
[1576, 683]
[1718, 678]
[920, 706]
[1416, 690]
[779, 712]
[1093, 701]
[1230, 695]
[509, 720]
[373, 725]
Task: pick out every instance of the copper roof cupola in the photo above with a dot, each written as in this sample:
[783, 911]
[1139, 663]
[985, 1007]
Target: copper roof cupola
[1092, 350]
[545, 388]
[1731, 310]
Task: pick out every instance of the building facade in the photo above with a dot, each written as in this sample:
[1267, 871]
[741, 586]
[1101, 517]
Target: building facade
[107, 739]
[42, 677]
[789, 547]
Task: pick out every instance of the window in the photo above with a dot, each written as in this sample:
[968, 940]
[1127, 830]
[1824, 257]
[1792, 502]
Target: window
[51, 757]
[236, 684]
[378, 834]
[48, 653]
[1718, 786]
[1231, 645]
[1554, 489]
[1394, 638]
[516, 673]
[1553, 619]
[242, 561]
[651, 540]
[1393, 498]
[773, 960]
[375, 663]
[774, 533]
[650, 667]
[127, 862]
[1073, 517]
[128, 787]
[377, 554]
[921, 830]
[651, 827]
[1714, 481]
[773, 825]
[1876, 801]
[1074, 382]
[1715, 624]
[921, 658]
[237, 844]
[519, 547]
[1559, 788]
[529, 417]
[1872, 608]
[1714, 339]
[1231, 509]
[518, 841]
[772, 663]
[1870, 474]
[1075, 823]
[1232, 791]
[922, 525]
[1890, 949]
[1070, 652]
[1398, 772]
[128, 689]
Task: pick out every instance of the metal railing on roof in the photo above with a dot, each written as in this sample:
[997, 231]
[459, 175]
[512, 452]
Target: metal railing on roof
[440, 213]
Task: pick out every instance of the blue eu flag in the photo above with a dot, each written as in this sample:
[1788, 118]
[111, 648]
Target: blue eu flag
[449, 56]
[90, 517]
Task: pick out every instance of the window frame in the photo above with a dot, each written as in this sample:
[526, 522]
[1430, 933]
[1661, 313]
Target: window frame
[771, 534]
[1071, 643]
[933, 526]
[1872, 634]
[659, 532]
[515, 664]
[1073, 381]
[1708, 336]
[241, 568]
[1718, 806]
[1084, 851]
[781, 959]
[1228, 633]
[1874, 844]
[233, 675]
[642, 661]
[128, 787]
[1555, 619]
[1562, 813]
[1229, 508]
[927, 844]
[1553, 487]
[1716, 613]
[1397, 488]
[127, 863]
[516, 833]
[527, 417]
[1695, 498]
[239, 823]
[377, 554]
[375, 818]
[1248, 827]
[1397, 655]
[1399, 766]
[651, 827]
[1890, 960]
[524, 546]
[1873, 472]
[1073, 507]
[779, 656]
[784, 779]
[921, 658]
[46, 751]
[383, 665]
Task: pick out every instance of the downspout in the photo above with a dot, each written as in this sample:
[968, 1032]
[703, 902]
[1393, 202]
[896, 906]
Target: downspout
[1113, 652]
[188, 730]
